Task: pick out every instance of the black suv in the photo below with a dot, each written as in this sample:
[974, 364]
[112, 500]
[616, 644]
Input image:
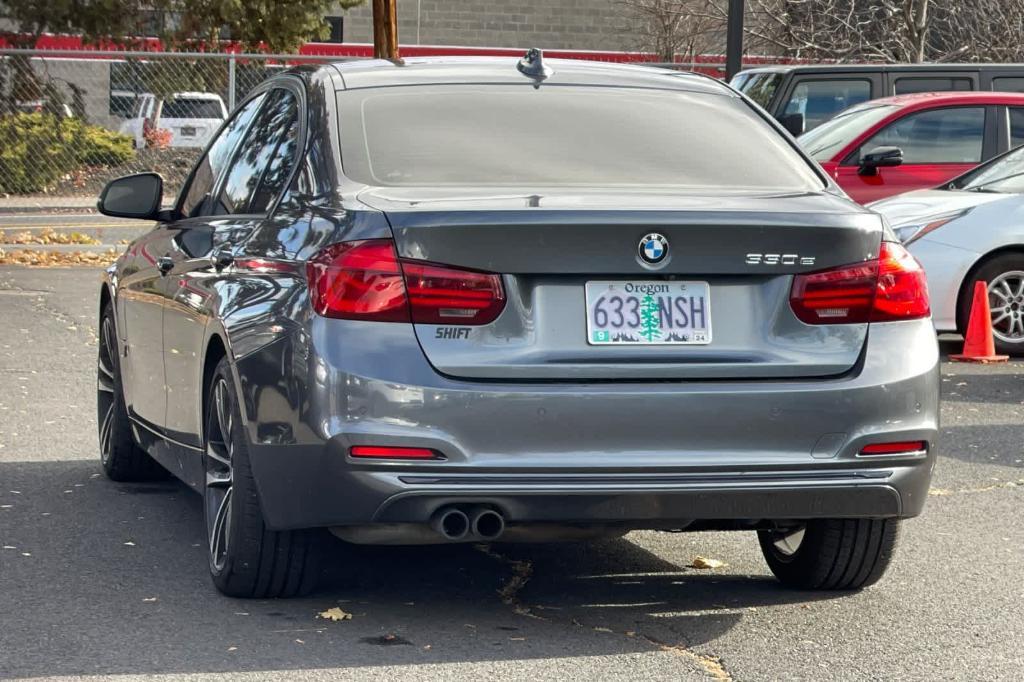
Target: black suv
[804, 97]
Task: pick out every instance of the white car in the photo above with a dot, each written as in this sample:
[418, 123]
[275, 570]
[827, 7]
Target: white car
[968, 230]
[191, 118]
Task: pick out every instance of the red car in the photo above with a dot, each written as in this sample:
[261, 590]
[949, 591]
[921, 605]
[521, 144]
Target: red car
[896, 144]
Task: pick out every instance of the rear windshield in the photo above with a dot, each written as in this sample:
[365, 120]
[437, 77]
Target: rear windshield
[515, 135]
[828, 139]
[190, 107]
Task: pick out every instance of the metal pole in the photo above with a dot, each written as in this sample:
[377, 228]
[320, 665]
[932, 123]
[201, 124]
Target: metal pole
[734, 39]
[231, 83]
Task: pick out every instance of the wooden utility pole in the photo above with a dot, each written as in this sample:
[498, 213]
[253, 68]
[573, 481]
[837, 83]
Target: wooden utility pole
[385, 29]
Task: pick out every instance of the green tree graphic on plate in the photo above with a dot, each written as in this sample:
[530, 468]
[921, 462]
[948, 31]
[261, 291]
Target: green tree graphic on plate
[649, 319]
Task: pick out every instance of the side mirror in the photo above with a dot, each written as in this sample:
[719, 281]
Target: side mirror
[794, 123]
[133, 196]
[880, 157]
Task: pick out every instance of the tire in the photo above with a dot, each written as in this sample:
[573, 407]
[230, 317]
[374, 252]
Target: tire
[833, 554]
[122, 459]
[1004, 275]
[246, 558]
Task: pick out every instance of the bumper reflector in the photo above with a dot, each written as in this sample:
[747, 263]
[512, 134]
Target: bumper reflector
[902, 448]
[387, 452]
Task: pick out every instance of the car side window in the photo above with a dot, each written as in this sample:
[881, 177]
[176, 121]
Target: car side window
[907, 85]
[820, 100]
[1008, 84]
[275, 176]
[209, 168]
[1016, 115]
[761, 87]
[264, 159]
[952, 135]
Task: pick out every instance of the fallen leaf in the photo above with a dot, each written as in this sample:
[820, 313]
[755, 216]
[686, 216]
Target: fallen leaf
[44, 259]
[701, 562]
[334, 614]
[48, 236]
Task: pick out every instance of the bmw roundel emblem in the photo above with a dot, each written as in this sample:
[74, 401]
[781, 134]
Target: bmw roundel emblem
[653, 248]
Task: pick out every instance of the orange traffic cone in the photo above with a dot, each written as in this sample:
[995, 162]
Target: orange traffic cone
[978, 343]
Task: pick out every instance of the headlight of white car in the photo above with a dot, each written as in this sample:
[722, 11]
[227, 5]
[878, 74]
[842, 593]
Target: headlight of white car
[911, 232]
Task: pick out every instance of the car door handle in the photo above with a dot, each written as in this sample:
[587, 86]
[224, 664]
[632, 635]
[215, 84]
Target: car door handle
[164, 264]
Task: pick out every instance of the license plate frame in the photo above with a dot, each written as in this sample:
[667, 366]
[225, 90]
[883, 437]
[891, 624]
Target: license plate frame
[679, 295]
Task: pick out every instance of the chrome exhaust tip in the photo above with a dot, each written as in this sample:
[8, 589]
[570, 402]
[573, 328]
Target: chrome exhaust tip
[487, 524]
[451, 523]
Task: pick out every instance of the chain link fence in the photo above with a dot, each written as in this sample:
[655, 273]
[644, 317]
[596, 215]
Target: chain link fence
[71, 121]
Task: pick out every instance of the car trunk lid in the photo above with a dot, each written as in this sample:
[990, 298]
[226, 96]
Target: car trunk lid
[548, 246]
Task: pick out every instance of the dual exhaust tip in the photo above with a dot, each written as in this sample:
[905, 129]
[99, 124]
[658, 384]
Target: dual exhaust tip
[474, 523]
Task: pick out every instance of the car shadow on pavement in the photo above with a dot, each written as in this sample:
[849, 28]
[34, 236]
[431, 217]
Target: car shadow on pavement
[99, 577]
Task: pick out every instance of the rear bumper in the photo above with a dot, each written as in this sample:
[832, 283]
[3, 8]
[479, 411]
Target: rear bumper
[646, 455]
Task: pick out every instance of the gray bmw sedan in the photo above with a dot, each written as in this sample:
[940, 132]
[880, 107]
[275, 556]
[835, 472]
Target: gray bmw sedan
[482, 300]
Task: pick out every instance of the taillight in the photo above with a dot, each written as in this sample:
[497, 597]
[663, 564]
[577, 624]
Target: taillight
[902, 286]
[440, 295]
[892, 287]
[365, 280]
[358, 281]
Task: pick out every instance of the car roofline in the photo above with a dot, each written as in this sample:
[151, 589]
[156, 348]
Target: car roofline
[357, 74]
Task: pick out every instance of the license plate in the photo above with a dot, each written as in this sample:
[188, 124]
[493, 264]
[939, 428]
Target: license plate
[644, 312]
[188, 132]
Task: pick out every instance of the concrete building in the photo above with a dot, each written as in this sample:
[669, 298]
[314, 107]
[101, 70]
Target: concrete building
[548, 24]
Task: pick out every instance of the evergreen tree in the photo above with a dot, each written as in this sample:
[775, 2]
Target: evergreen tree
[650, 322]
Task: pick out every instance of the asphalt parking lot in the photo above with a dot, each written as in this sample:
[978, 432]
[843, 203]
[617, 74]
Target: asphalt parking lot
[99, 578]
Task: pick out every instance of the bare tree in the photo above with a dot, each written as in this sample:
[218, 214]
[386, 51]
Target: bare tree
[674, 28]
[840, 30]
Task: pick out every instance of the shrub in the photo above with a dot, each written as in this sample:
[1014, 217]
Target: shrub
[37, 150]
[102, 147]
[157, 138]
